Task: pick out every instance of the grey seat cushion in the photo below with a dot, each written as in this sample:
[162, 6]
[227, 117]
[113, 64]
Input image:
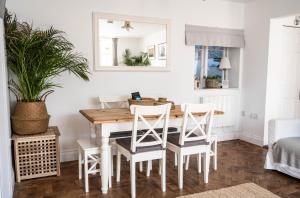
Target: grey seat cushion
[126, 143]
[123, 134]
[127, 134]
[174, 139]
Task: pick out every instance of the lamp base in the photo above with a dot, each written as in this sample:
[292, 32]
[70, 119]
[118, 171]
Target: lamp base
[225, 84]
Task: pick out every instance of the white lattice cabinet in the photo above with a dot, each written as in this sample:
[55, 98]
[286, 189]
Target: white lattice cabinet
[37, 155]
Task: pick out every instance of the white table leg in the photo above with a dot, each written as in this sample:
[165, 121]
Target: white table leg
[93, 137]
[180, 170]
[105, 132]
[93, 131]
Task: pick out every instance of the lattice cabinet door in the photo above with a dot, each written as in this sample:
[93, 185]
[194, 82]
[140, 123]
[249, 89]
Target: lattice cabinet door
[37, 155]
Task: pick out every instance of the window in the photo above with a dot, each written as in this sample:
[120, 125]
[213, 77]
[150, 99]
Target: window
[207, 62]
[215, 54]
[106, 51]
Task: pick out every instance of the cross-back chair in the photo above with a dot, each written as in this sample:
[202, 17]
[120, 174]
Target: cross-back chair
[150, 146]
[113, 101]
[108, 102]
[194, 138]
[89, 155]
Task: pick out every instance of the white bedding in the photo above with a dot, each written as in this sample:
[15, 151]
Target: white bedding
[280, 129]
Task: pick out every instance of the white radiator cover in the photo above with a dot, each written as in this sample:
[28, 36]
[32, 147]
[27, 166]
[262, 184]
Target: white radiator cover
[229, 104]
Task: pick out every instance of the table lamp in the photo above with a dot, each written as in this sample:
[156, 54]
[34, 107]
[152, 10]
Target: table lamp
[225, 65]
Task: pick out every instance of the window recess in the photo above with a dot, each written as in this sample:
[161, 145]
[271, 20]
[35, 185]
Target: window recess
[211, 45]
[207, 63]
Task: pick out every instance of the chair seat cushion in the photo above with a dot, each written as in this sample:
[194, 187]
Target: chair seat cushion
[127, 134]
[174, 139]
[126, 144]
[122, 134]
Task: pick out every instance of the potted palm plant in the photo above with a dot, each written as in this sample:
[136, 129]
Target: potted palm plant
[35, 57]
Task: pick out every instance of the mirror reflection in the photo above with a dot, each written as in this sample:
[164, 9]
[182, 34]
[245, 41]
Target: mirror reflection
[131, 43]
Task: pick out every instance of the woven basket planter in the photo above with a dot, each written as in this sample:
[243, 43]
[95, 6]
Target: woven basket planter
[30, 118]
[212, 83]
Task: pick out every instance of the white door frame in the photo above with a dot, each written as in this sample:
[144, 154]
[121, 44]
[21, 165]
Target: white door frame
[6, 170]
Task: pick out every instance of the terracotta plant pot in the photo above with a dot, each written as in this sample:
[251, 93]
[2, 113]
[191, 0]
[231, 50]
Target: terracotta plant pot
[30, 118]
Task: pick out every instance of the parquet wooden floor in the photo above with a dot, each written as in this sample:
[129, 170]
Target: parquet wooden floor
[239, 162]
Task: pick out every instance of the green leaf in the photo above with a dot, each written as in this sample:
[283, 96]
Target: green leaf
[140, 60]
[37, 56]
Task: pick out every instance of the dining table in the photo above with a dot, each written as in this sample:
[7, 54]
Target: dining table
[105, 121]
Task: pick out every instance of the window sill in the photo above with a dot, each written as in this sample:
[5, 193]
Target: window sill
[217, 91]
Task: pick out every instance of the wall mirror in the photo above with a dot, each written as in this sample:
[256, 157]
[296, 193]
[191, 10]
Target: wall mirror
[130, 43]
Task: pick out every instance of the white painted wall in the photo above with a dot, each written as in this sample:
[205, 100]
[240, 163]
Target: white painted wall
[257, 24]
[274, 72]
[6, 172]
[75, 18]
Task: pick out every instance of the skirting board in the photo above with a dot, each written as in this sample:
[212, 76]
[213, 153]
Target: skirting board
[71, 155]
[254, 140]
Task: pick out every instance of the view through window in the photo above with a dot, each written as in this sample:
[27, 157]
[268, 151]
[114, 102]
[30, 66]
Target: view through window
[207, 62]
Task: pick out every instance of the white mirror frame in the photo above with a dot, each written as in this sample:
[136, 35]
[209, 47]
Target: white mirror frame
[98, 67]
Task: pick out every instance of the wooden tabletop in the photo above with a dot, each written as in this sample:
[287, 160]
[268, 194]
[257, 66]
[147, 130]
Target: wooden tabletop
[100, 116]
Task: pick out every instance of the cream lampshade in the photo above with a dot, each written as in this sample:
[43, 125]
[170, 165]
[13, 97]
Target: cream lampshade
[225, 65]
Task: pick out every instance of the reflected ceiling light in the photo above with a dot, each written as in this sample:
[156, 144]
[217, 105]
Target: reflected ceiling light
[297, 20]
[296, 23]
[127, 26]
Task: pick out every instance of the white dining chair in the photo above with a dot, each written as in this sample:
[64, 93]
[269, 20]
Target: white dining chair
[113, 101]
[195, 140]
[150, 146]
[89, 155]
[122, 102]
[117, 102]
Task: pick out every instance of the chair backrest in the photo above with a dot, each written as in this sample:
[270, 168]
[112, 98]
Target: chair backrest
[113, 101]
[201, 125]
[163, 114]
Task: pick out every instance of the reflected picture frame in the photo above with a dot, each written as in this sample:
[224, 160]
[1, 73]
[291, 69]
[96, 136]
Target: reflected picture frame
[162, 51]
[151, 52]
[96, 16]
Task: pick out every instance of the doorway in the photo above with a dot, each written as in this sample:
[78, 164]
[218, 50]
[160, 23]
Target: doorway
[283, 80]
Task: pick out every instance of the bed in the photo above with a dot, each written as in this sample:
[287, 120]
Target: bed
[284, 147]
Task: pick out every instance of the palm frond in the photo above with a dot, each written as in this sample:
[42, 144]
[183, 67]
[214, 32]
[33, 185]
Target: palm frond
[36, 56]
